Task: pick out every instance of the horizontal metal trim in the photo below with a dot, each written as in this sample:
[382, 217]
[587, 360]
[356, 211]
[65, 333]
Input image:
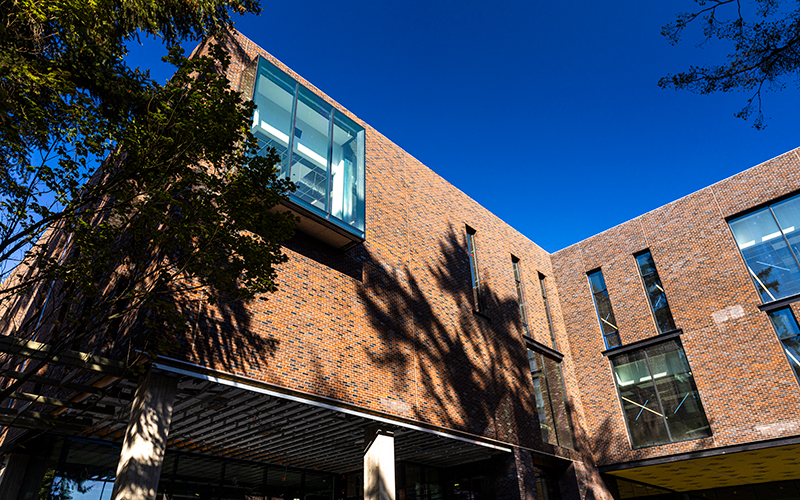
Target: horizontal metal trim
[642, 343]
[725, 450]
[780, 303]
[536, 346]
[257, 386]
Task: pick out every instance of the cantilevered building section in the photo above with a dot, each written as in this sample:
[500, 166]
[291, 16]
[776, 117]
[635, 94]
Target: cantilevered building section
[420, 348]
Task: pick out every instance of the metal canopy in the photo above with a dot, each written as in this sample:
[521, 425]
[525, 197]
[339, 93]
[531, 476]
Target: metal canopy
[81, 395]
[218, 420]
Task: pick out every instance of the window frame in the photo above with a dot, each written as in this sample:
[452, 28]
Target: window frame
[769, 207]
[548, 315]
[543, 353]
[523, 307]
[789, 357]
[659, 285]
[600, 320]
[477, 285]
[355, 228]
[642, 346]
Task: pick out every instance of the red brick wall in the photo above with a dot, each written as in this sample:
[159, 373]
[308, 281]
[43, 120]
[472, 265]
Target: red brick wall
[745, 383]
[389, 325]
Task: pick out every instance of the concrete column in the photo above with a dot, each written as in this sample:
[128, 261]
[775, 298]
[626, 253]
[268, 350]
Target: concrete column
[379, 482]
[142, 452]
[12, 475]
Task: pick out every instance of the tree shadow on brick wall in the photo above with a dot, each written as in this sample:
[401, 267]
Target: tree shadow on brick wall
[471, 368]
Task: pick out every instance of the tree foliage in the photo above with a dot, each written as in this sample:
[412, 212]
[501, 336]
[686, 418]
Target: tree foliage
[764, 36]
[126, 196]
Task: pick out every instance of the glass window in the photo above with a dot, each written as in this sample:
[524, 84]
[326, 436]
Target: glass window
[523, 316]
[551, 400]
[347, 168]
[786, 325]
[655, 292]
[765, 238]
[659, 399]
[547, 309]
[310, 149]
[321, 150]
[473, 267]
[274, 97]
[602, 303]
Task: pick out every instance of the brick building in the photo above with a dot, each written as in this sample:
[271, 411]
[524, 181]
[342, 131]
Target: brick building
[420, 348]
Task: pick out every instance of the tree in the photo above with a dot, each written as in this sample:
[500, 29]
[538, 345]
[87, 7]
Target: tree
[765, 53]
[128, 198]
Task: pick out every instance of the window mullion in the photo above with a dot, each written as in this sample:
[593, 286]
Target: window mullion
[291, 132]
[783, 235]
[658, 396]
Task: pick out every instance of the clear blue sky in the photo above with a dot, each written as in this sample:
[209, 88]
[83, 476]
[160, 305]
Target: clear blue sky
[546, 113]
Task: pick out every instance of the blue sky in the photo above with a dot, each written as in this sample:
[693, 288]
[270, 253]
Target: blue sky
[546, 113]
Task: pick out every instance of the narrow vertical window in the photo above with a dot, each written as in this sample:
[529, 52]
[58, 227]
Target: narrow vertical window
[473, 267]
[655, 292]
[786, 326]
[551, 400]
[547, 309]
[602, 303]
[523, 316]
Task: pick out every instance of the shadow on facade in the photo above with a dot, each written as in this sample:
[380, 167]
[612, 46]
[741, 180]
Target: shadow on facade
[471, 368]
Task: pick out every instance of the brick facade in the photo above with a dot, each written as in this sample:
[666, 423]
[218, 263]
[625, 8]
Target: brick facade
[389, 326]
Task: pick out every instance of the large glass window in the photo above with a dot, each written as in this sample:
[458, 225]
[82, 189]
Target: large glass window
[551, 400]
[321, 149]
[608, 323]
[768, 240]
[655, 292]
[786, 325]
[523, 315]
[658, 395]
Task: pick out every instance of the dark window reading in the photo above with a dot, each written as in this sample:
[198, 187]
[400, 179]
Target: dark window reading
[523, 316]
[608, 323]
[658, 395]
[655, 292]
[547, 309]
[551, 401]
[786, 325]
[477, 295]
[769, 240]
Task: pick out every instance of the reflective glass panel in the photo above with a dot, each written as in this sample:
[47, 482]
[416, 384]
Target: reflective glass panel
[784, 322]
[347, 171]
[655, 293]
[792, 348]
[547, 309]
[310, 149]
[272, 120]
[788, 214]
[643, 414]
[605, 313]
[473, 267]
[677, 392]
[769, 260]
[551, 401]
[559, 402]
[321, 150]
[543, 408]
[789, 332]
[523, 316]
